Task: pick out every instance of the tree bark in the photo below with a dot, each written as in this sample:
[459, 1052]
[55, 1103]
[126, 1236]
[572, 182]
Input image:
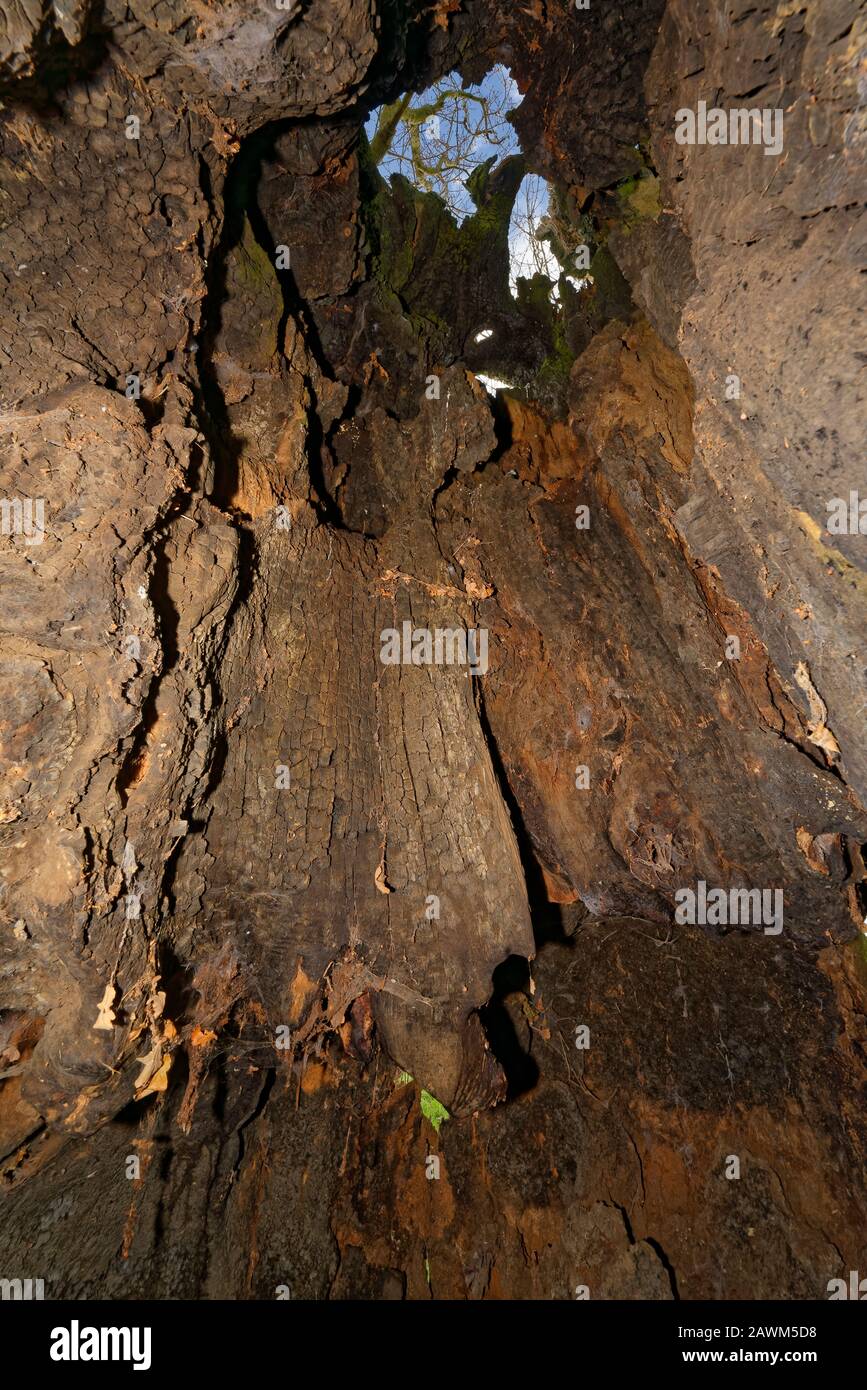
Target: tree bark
[265, 894]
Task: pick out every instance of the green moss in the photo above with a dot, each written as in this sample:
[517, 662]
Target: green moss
[557, 366]
[393, 249]
[639, 199]
[611, 291]
[417, 245]
[565, 228]
[534, 298]
[253, 264]
[423, 263]
[254, 287]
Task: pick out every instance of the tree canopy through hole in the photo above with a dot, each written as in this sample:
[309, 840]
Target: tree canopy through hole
[437, 138]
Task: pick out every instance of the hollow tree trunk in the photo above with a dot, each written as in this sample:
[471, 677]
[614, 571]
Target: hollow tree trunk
[264, 894]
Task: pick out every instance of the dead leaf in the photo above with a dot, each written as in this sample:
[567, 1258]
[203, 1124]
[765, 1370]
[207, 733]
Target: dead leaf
[200, 1037]
[105, 1018]
[159, 1080]
[154, 1074]
[442, 12]
[149, 1065]
[156, 1004]
[373, 364]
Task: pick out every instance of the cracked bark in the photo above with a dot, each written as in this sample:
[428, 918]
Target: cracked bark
[224, 817]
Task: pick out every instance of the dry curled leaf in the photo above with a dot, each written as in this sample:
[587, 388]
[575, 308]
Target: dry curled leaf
[149, 1064]
[154, 1075]
[105, 1017]
[160, 1079]
[443, 10]
[156, 1003]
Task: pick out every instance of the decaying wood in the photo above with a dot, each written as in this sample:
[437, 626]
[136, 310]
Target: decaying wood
[253, 877]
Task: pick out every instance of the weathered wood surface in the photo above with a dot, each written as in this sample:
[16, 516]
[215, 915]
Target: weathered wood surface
[224, 819]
